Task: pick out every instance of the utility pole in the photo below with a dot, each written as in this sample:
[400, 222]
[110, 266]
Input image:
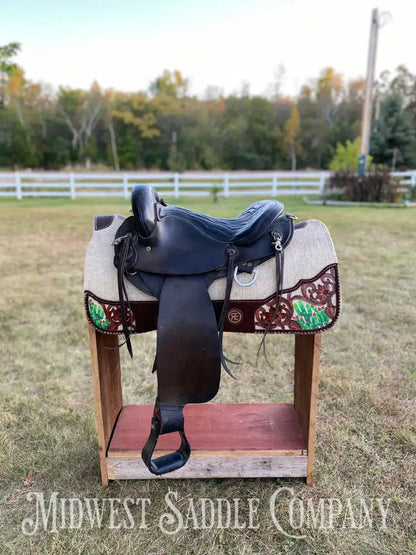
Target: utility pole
[368, 100]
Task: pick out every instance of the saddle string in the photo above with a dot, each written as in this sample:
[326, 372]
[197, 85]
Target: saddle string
[279, 257]
[122, 292]
[231, 253]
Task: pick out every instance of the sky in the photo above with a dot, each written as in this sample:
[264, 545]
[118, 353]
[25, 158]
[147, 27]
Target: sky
[126, 44]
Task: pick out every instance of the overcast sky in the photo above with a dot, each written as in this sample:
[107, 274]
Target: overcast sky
[125, 44]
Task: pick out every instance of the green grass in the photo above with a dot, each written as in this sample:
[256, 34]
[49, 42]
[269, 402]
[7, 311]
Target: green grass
[366, 436]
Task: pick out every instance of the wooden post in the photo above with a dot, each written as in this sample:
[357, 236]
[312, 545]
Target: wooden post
[274, 184]
[126, 186]
[106, 372]
[72, 185]
[322, 183]
[368, 99]
[226, 185]
[18, 186]
[176, 184]
[307, 362]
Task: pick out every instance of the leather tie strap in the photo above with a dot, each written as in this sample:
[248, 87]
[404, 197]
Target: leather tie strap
[122, 293]
[279, 259]
[231, 254]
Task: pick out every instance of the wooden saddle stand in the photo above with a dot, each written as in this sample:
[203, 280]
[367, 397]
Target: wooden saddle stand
[192, 277]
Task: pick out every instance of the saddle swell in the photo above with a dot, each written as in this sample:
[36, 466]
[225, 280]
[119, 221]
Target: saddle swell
[175, 254]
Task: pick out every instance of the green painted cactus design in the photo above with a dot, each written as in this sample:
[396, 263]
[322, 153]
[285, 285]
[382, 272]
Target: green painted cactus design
[313, 306]
[98, 315]
[310, 317]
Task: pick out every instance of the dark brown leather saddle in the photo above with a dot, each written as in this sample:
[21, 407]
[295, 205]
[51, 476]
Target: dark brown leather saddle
[174, 254]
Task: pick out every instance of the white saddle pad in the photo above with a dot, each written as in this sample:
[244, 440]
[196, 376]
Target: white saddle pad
[310, 298]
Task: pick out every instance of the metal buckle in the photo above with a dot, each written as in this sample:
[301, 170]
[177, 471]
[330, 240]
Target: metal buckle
[240, 282]
[277, 243]
[119, 240]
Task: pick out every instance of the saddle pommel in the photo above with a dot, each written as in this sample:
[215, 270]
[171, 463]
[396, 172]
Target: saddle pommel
[144, 203]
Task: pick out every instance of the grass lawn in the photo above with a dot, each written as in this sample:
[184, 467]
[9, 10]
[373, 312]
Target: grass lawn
[366, 432]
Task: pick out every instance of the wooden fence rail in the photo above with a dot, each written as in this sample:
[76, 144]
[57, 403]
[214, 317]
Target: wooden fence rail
[119, 184]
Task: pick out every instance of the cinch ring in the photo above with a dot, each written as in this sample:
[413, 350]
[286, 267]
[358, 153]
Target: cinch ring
[244, 284]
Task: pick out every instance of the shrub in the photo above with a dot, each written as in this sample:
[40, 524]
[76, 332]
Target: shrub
[376, 186]
[346, 157]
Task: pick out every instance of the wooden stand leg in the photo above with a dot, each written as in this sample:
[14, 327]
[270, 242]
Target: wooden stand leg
[106, 373]
[108, 400]
[307, 363]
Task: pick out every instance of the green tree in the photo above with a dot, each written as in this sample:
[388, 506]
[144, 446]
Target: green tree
[170, 83]
[7, 66]
[261, 133]
[291, 132]
[199, 142]
[8, 52]
[134, 119]
[165, 128]
[328, 94]
[392, 138]
[81, 111]
[346, 156]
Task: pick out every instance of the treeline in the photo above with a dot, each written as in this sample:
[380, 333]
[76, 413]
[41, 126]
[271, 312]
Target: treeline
[166, 128]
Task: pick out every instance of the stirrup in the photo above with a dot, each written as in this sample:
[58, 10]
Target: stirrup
[166, 419]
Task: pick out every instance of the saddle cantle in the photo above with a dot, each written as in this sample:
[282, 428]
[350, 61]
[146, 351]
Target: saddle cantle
[175, 254]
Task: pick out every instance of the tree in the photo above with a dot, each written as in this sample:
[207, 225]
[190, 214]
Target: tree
[133, 115]
[170, 83]
[110, 100]
[7, 52]
[15, 91]
[392, 139]
[403, 84]
[328, 94]
[165, 128]
[346, 156]
[200, 141]
[26, 102]
[330, 113]
[7, 67]
[261, 125]
[81, 111]
[291, 133]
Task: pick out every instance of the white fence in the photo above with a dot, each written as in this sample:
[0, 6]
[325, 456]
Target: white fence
[76, 185]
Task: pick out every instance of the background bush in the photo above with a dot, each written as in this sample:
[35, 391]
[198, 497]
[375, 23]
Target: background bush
[375, 186]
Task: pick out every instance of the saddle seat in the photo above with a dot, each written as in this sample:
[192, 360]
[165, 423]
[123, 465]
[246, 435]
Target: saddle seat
[171, 240]
[240, 231]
